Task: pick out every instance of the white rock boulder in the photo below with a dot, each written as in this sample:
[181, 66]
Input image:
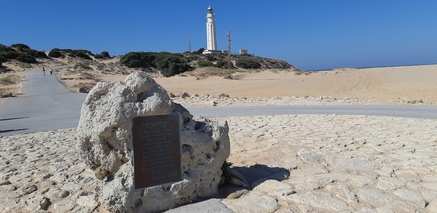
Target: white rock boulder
[105, 143]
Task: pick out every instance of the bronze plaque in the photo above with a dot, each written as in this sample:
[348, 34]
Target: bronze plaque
[157, 150]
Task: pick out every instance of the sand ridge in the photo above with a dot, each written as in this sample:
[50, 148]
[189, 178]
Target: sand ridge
[389, 85]
[394, 84]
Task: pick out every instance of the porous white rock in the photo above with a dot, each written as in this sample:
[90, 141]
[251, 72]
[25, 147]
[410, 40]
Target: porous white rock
[105, 143]
[253, 202]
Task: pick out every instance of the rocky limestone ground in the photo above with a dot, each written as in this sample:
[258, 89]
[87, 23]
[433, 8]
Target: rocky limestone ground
[335, 163]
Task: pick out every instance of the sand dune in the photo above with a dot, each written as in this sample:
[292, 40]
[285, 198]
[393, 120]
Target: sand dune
[381, 84]
[392, 85]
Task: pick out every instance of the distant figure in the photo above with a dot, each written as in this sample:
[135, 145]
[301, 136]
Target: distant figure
[51, 71]
[43, 71]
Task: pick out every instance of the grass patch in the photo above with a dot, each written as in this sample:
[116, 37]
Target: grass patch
[10, 79]
[204, 72]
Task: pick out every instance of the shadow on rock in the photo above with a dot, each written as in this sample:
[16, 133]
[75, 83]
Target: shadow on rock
[239, 178]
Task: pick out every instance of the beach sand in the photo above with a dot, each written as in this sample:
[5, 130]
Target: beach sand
[391, 84]
[387, 85]
[336, 163]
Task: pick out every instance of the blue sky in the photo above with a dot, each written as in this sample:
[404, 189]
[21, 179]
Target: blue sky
[309, 34]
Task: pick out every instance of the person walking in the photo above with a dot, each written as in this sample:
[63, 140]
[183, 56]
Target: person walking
[43, 71]
[51, 71]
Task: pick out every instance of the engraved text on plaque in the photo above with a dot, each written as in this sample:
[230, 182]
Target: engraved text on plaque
[157, 154]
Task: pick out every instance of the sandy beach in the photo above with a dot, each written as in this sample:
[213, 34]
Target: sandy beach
[391, 84]
[336, 163]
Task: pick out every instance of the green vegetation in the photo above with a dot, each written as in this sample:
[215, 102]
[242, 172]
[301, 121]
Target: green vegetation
[199, 51]
[138, 60]
[55, 53]
[248, 63]
[169, 64]
[221, 63]
[36, 54]
[202, 63]
[85, 54]
[7, 53]
[20, 47]
[26, 58]
[102, 55]
[20, 52]
[105, 54]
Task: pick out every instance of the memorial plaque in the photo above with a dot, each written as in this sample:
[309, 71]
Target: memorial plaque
[157, 150]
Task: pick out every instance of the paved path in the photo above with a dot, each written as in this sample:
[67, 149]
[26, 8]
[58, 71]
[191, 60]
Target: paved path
[48, 105]
[374, 110]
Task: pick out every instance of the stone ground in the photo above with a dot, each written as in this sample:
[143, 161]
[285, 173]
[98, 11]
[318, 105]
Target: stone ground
[335, 163]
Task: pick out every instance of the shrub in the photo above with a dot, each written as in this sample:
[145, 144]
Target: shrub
[41, 54]
[136, 63]
[35, 53]
[55, 53]
[85, 54]
[26, 58]
[104, 54]
[66, 50]
[9, 54]
[82, 54]
[175, 69]
[211, 58]
[171, 64]
[248, 63]
[199, 51]
[100, 56]
[168, 63]
[221, 63]
[3, 58]
[164, 60]
[20, 47]
[9, 79]
[205, 64]
[138, 60]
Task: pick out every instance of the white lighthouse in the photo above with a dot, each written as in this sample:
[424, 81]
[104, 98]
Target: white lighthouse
[211, 37]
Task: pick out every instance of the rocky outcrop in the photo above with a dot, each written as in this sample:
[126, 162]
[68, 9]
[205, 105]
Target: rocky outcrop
[105, 144]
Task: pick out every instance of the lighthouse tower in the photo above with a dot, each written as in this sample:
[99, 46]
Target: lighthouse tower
[211, 37]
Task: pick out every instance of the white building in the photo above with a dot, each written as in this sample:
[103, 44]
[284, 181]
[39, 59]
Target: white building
[211, 37]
